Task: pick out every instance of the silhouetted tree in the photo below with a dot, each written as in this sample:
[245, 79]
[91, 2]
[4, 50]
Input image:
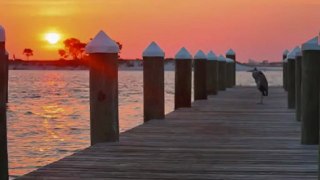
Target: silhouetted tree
[74, 47]
[28, 52]
[63, 53]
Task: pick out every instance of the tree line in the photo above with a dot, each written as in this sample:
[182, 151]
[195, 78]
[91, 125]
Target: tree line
[73, 48]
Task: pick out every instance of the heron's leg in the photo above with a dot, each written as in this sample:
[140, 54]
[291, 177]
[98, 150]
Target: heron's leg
[261, 100]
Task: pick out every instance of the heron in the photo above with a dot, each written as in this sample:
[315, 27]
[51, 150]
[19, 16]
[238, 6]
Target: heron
[261, 82]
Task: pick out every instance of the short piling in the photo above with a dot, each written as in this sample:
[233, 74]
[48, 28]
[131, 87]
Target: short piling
[229, 72]
[4, 172]
[153, 83]
[200, 76]
[7, 75]
[222, 73]
[284, 69]
[183, 79]
[291, 79]
[232, 55]
[310, 92]
[212, 74]
[104, 116]
[298, 84]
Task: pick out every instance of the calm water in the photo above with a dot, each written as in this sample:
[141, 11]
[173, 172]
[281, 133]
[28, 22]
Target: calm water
[48, 112]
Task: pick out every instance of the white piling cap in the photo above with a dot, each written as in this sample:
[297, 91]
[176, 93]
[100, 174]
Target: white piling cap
[102, 43]
[183, 54]
[230, 52]
[200, 55]
[221, 58]
[285, 52]
[312, 44]
[298, 52]
[153, 50]
[229, 60]
[292, 54]
[2, 34]
[212, 56]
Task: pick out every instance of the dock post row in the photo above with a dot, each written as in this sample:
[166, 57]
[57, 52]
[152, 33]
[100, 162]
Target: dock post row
[310, 92]
[301, 79]
[103, 53]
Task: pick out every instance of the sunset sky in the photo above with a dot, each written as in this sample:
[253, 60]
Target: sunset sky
[258, 29]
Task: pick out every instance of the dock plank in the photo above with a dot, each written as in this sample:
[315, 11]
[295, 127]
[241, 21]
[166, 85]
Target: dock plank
[227, 136]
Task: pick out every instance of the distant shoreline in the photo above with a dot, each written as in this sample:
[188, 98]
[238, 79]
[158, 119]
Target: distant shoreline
[124, 65]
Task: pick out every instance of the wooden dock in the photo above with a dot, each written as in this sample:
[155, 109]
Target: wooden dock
[228, 136]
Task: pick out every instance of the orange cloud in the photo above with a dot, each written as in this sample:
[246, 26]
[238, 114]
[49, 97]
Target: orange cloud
[259, 29]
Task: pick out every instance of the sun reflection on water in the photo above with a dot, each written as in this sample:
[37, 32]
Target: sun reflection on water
[48, 112]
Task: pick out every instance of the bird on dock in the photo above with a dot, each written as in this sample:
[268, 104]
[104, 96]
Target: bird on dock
[261, 82]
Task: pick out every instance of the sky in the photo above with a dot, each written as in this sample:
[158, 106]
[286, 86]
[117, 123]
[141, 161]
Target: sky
[255, 29]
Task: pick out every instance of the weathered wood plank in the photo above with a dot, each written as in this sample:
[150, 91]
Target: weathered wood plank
[225, 137]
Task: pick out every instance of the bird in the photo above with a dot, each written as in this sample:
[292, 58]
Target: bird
[261, 82]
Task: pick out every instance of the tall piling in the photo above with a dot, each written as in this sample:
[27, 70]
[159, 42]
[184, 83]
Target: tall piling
[222, 73]
[4, 172]
[232, 55]
[200, 76]
[284, 69]
[104, 116]
[298, 83]
[153, 83]
[212, 74]
[310, 92]
[183, 79]
[291, 87]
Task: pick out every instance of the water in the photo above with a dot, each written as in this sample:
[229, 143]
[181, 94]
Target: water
[48, 112]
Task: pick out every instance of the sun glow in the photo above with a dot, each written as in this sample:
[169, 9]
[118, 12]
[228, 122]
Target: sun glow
[52, 37]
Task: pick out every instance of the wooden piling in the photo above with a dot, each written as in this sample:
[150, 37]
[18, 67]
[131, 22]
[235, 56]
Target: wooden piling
[104, 116]
[200, 76]
[222, 73]
[284, 69]
[232, 55]
[4, 172]
[183, 78]
[310, 92]
[234, 71]
[298, 84]
[153, 83]
[285, 74]
[291, 79]
[212, 74]
[229, 73]
[7, 75]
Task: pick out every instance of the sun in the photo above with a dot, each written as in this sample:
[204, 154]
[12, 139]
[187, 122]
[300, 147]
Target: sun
[52, 37]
